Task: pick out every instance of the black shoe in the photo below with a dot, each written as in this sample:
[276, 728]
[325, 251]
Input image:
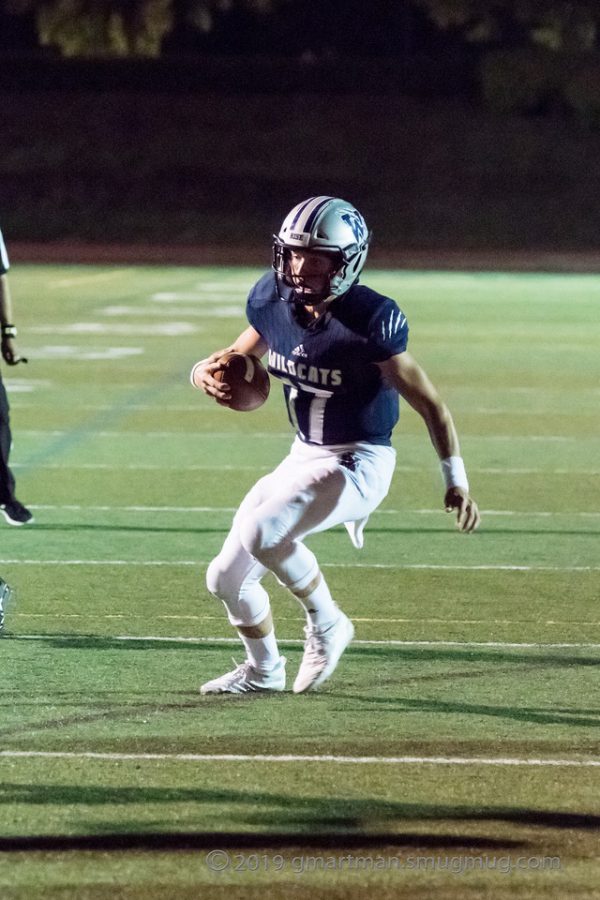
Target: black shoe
[15, 513]
[5, 593]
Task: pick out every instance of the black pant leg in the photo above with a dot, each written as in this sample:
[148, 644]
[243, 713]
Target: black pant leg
[7, 480]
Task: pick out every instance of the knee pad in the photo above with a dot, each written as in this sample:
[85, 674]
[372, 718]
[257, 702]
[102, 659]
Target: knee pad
[247, 603]
[218, 581]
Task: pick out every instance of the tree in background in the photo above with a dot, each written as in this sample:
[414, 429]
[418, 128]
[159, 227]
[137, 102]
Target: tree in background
[560, 25]
[109, 28]
[122, 28]
[533, 56]
[99, 28]
[202, 14]
[537, 55]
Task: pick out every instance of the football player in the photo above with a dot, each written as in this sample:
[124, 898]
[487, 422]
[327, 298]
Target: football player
[13, 510]
[339, 349]
[5, 595]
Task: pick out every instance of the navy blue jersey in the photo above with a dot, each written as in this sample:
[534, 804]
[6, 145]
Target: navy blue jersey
[333, 391]
[3, 257]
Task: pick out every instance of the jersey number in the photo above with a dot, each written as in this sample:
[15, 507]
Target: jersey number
[316, 413]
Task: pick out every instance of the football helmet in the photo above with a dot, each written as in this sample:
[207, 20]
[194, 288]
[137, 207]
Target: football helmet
[328, 225]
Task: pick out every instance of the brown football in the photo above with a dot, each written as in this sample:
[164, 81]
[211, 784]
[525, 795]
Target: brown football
[247, 378]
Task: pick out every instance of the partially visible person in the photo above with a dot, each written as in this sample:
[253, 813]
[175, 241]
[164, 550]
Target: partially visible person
[5, 592]
[13, 510]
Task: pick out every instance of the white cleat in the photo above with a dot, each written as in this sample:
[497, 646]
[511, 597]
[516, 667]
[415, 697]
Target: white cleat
[244, 679]
[322, 652]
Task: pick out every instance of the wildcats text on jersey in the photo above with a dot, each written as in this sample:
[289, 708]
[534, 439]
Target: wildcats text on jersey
[332, 383]
[303, 371]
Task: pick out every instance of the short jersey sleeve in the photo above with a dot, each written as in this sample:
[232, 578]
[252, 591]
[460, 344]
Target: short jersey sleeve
[253, 311]
[388, 331]
[4, 264]
[261, 300]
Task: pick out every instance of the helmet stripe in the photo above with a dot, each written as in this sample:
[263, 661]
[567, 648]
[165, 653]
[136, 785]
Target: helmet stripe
[300, 209]
[305, 210]
[313, 215]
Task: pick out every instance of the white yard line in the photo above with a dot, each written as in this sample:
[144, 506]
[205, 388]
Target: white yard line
[301, 758]
[201, 562]
[229, 509]
[160, 329]
[223, 311]
[178, 509]
[228, 467]
[14, 384]
[166, 435]
[142, 467]
[77, 280]
[491, 645]
[390, 620]
[203, 294]
[251, 435]
[188, 407]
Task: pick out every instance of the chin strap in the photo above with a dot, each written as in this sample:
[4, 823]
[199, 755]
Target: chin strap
[312, 302]
[299, 300]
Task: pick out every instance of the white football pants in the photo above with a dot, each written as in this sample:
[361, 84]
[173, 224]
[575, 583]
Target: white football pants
[313, 489]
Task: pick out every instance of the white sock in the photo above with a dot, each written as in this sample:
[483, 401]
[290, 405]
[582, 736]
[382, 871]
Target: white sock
[321, 609]
[263, 653]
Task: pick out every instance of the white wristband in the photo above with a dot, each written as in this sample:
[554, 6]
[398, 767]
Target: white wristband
[454, 472]
[195, 368]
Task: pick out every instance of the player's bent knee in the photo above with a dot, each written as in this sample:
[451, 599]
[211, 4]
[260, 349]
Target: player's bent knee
[220, 582]
[245, 604]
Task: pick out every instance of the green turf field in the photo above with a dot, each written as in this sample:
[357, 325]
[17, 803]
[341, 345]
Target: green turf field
[455, 752]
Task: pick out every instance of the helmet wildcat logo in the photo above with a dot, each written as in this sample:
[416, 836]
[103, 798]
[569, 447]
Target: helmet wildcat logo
[356, 223]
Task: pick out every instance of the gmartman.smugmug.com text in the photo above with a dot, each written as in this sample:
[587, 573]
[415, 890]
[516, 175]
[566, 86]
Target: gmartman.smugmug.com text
[229, 861]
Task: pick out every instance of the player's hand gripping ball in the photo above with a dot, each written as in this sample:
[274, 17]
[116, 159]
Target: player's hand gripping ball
[247, 378]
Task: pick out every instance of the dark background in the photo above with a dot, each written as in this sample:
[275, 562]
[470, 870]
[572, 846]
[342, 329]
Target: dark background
[444, 144]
